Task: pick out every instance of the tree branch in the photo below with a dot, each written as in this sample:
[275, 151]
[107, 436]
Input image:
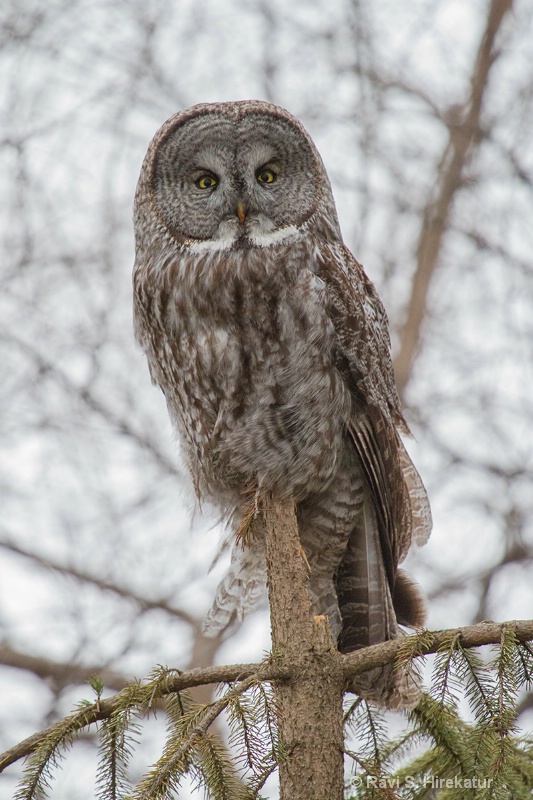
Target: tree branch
[175, 682]
[153, 783]
[114, 420]
[464, 132]
[353, 664]
[61, 673]
[143, 603]
[310, 704]
[470, 636]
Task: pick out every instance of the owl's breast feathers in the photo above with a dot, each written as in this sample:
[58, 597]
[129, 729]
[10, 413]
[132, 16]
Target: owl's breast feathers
[244, 353]
[269, 359]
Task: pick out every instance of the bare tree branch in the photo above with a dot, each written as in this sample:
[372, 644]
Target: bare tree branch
[144, 603]
[464, 134]
[61, 673]
[120, 423]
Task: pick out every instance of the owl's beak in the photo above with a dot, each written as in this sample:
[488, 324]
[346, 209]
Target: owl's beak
[241, 212]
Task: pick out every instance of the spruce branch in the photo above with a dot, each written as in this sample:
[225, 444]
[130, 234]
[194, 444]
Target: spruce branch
[136, 694]
[118, 734]
[482, 633]
[190, 735]
[310, 704]
[470, 636]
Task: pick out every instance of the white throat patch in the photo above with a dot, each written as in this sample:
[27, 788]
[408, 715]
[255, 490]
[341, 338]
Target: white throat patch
[256, 232]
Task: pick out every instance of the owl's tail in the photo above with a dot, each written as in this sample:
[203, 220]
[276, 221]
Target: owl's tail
[370, 615]
[242, 589]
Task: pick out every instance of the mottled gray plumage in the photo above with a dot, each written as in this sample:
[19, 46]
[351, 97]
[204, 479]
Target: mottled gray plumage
[272, 348]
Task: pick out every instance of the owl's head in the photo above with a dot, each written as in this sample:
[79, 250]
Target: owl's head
[241, 174]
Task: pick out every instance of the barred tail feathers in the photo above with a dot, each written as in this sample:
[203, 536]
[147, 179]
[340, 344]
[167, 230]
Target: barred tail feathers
[369, 616]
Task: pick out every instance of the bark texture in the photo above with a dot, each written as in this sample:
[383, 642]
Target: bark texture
[310, 704]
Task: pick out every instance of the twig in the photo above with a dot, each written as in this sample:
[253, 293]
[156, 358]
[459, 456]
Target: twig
[162, 771]
[61, 673]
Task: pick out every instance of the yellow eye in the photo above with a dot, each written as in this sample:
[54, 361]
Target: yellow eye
[266, 176]
[206, 182]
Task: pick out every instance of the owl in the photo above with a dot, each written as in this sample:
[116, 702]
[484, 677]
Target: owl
[272, 349]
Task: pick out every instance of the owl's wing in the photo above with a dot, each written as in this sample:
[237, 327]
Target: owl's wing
[363, 358]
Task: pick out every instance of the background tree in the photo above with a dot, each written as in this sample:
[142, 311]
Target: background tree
[423, 113]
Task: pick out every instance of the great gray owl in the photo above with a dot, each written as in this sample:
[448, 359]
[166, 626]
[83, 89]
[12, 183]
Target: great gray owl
[272, 349]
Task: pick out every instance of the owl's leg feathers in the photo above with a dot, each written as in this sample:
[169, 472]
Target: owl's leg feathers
[348, 581]
[326, 520]
[244, 588]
